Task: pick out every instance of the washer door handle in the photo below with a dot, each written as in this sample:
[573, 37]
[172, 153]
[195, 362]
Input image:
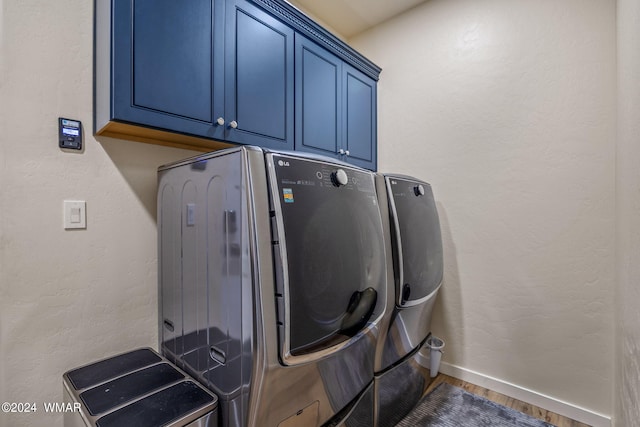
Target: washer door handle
[359, 311]
[406, 293]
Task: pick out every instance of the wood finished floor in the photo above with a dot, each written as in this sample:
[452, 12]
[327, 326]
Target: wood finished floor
[534, 411]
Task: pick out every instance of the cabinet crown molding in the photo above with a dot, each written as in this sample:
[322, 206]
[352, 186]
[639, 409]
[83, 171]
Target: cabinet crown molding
[307, 26]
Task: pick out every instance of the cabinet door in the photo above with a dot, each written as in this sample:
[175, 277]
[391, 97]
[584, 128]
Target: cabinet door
[318, 100]
[359, 100]
[164, 71]
[258, 77]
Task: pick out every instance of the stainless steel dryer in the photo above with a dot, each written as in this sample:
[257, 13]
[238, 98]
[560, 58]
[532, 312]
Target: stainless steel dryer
[272, 280]
[414, 231]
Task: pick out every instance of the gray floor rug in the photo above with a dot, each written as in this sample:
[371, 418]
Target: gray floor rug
[449, 406]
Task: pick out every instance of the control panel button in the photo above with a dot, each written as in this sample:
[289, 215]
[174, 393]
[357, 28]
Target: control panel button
[419, 190]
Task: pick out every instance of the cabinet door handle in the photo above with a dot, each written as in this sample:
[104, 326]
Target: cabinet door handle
[341, 151]
[233, 124]
[220, 121]
[346, 152]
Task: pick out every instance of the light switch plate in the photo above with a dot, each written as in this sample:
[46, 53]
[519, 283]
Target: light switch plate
[75, 214]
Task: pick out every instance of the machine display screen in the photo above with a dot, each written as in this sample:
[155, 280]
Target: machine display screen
[72, 132]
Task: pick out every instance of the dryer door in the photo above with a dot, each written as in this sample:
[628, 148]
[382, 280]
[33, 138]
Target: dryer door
[328, 234]
[417, 240]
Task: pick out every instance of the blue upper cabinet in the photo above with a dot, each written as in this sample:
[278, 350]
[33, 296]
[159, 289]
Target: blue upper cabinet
[335, 107]
[259, 77]
[159, 63]
[220, 70]
[359, 94]
[318, 99]
[206, 74]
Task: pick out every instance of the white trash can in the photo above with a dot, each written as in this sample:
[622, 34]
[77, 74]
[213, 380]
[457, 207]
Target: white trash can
[435, 346]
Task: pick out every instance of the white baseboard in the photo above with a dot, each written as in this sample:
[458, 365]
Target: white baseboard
[529, 396]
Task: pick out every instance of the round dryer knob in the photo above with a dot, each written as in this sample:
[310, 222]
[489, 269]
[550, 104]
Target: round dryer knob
[419, 190]
[339, 177]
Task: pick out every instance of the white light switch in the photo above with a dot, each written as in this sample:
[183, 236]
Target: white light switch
[75, 214]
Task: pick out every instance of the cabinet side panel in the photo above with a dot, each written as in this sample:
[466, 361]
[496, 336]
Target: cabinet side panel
[102, 65]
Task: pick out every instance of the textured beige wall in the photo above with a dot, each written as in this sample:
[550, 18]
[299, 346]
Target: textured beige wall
[508, 109]
[627, 384]
[67, 297]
